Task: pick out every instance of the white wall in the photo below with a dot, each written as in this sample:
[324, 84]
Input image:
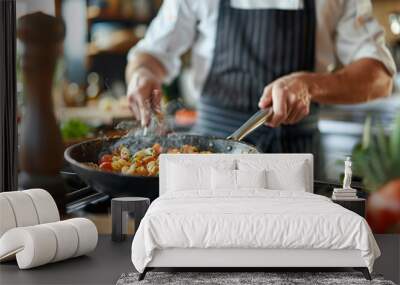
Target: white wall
[30, 6]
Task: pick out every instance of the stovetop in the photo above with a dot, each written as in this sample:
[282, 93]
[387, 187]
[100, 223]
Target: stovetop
[81, 196]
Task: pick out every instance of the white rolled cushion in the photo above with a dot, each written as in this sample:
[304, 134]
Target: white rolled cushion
[288, 175]
[223, 179]
[67, 240]
[41, 244]
[251, 178]
[34, 245]
[7, 218]
[45, 205]
[26, 208]
[87, 235]
[23, 208]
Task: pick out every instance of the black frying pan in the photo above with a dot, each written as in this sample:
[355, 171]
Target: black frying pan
[116, 184]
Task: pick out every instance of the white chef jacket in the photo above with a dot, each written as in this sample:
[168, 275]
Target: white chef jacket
[346, 31]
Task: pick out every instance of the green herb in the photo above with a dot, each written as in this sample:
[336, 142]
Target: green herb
[74, 129]
[377, 157]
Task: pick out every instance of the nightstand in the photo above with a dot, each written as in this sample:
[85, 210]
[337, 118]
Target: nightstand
[355, 205]
[120, 208]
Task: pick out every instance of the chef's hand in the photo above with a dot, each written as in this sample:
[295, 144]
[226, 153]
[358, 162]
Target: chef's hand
[144, 95]
[289, 97]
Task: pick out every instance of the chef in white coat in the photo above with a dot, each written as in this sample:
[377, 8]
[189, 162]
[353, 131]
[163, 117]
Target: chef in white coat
[291, 55]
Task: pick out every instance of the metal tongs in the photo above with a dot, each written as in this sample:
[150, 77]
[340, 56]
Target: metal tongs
[258, 119]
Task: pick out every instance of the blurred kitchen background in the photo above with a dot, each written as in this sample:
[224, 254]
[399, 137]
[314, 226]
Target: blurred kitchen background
[89, 89]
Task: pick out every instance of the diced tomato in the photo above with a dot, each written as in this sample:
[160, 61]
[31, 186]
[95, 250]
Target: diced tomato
[106, 158]
[147, 159]
[106, 166]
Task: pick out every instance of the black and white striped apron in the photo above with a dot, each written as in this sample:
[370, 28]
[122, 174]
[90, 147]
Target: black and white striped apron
[253, 48]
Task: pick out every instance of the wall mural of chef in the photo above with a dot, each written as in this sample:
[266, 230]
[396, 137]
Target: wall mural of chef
[288, 55]
[299, 65]
[183, 112]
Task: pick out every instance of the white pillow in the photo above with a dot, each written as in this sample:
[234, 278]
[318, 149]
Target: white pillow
[190, 176]
[281, 175]
[294, 180]
[223, 179]
[251, 178]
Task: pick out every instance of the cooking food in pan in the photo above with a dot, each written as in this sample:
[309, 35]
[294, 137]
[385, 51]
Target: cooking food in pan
[117, 184]
[143, 162]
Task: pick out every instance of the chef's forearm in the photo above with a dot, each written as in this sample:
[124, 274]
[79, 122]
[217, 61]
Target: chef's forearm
[360, 81]
[144, 60]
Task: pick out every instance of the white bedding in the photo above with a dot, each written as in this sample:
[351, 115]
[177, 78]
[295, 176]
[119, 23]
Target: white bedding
[252, 218]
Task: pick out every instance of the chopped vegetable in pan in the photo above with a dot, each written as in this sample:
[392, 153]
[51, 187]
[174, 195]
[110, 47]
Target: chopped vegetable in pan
[142, 163]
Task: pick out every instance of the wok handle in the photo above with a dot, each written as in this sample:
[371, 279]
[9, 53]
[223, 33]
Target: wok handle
[251, 124]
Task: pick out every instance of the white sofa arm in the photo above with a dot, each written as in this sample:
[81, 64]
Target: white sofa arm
[52, 242]
[45, 205]
[26, 208]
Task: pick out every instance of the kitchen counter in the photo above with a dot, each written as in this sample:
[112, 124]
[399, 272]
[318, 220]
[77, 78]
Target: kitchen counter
[384, 109]
[341, 128]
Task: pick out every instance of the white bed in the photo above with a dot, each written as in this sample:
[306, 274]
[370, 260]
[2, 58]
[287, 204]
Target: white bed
[248, 227]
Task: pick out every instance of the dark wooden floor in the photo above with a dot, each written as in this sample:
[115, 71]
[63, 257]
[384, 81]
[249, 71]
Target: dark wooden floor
[110, 260]
[103, 266]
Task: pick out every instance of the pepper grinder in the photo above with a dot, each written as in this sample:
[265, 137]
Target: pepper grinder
[41, 145]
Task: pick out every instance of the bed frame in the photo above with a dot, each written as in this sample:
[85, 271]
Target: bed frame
[233, 259]
[237, 259]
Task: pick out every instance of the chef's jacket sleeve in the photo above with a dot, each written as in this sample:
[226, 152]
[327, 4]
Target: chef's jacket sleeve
[359, 35]
[169, 35]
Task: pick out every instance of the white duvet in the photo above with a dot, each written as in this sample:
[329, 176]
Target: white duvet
[250, 219]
